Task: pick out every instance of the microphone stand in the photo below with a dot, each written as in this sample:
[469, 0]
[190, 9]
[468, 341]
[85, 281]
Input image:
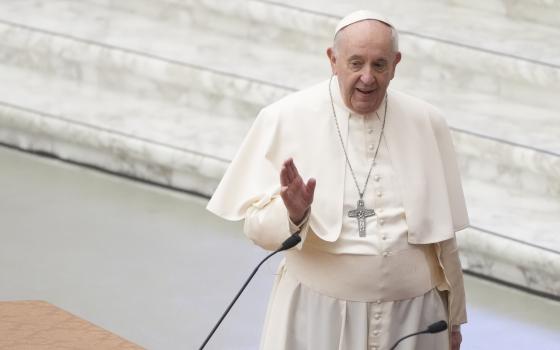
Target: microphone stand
[292, 241]
[408, 336]
[436, 327]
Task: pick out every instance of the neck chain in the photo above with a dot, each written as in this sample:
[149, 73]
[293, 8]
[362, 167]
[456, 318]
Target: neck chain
[360, 212]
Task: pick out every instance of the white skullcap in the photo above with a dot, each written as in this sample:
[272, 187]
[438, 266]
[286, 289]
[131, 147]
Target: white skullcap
[358, 16]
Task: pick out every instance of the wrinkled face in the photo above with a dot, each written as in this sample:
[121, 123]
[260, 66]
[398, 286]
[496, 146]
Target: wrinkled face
[364, 61]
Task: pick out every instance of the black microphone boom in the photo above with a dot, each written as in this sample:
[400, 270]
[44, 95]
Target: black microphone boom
[292, 241]
[435, 327]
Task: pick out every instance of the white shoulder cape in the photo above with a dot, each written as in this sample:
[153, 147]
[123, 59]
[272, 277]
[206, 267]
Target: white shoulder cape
[301, 126]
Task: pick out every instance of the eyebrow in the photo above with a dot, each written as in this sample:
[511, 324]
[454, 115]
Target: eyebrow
[354, 57]
[357, 57]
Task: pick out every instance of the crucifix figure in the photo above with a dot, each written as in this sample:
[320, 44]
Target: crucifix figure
[361, 213]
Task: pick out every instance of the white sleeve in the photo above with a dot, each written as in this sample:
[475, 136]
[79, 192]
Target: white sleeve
[268, 224]
[449, 255]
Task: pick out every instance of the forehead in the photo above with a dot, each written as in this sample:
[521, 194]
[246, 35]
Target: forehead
[366, 36]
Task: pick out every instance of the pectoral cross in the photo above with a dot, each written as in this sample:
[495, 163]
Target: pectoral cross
[361, 213]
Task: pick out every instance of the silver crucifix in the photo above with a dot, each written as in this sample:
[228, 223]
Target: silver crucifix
[361, 213]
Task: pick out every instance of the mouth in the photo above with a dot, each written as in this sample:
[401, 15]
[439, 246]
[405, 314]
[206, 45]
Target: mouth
[365, 91]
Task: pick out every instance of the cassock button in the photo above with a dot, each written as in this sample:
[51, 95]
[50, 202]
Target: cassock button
[385, 254]
[378, 302]
[377, 178]
[371, 147]
[381, 222]
[376, 332]
[377, 316]
[384, 237]
[370, 131]
[379, 194]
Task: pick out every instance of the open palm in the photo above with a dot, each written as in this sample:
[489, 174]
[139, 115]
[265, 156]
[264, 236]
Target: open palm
[296, 194]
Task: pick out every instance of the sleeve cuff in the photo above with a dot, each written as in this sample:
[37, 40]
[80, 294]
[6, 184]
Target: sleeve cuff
[294, 228]
[302, 228]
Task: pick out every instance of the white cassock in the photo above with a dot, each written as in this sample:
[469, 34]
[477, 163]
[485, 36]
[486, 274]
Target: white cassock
[337, 290]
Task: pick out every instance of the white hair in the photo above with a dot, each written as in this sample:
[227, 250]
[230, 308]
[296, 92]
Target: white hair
[394, 37]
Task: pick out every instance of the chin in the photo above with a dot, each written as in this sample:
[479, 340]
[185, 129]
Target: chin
[364, 110]
[366, 107]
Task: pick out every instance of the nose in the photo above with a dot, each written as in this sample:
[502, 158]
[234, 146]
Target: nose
[367, 77]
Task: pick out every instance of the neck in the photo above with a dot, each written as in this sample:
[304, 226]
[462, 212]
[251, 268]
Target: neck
[378, 111]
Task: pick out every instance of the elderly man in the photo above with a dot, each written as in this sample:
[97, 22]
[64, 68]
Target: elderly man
[378, 214]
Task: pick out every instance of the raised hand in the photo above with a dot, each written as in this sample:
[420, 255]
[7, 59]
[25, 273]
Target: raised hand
[296, 194]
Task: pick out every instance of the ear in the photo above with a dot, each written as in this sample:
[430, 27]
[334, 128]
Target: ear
[332, 59]
[396, 61]
[398, 57]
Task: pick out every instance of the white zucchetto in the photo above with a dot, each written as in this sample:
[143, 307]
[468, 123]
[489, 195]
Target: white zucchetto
[361, 15]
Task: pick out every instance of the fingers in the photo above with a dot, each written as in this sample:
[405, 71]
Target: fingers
[289, 172]
[284, 178]
[293, 170]
[286, 172]
[290, 178]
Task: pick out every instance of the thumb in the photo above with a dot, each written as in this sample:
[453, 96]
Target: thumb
[311, 183]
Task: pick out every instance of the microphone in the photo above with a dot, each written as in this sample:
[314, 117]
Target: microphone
[292, 241]
[436, 327]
